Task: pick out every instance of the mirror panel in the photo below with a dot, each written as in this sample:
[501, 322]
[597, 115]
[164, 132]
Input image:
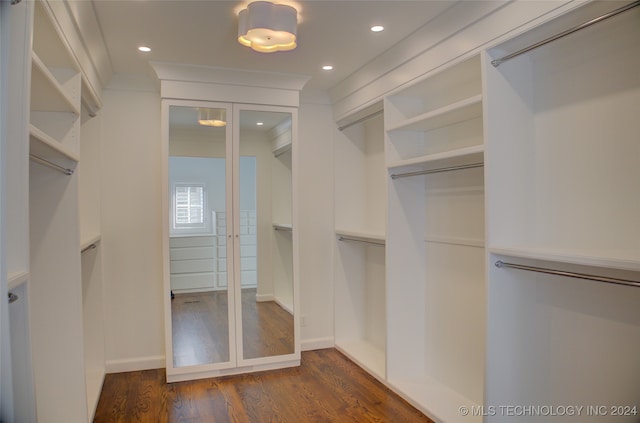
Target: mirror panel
[266, 264]
[198, 251]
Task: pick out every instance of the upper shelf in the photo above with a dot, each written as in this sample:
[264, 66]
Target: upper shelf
[46, 147]
[458, 157]
[47, 92]
[283, 227]
[460, 111]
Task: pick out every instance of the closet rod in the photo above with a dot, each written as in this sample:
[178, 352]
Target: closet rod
[346, 238]
[90, 247]
[362, 119]
[498, 62]
[442, 169]
[50, 164]
[501, 264]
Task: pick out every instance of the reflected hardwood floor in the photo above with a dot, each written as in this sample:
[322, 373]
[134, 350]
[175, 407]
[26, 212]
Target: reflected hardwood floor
[267, 328]
[327, 387]
[201, 334]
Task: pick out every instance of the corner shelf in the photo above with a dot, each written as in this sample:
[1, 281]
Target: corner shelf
[47, 93]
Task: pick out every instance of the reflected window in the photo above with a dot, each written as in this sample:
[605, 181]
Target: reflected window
[189, 206]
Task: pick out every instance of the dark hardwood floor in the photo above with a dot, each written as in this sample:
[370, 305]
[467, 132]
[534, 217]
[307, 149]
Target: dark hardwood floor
[327, 387]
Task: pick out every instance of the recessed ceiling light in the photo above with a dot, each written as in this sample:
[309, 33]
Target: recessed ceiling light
[144, 49]
[377, 28]
[327, 67]
[259, 123]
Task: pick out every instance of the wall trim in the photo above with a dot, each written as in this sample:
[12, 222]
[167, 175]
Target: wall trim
[135, 364]
[317, 343]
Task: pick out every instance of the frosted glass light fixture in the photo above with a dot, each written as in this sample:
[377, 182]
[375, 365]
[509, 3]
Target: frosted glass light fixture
[212, 117]
[268, 27]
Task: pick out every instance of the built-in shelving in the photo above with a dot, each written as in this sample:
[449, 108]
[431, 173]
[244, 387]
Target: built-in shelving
[56, 265]
[562, 170]
[360, 223]
[89, 241]
[16, 279]
[460, 111]
[46, 147]
[435, 241]
[458, 157]
[47, 92]
[286, 227]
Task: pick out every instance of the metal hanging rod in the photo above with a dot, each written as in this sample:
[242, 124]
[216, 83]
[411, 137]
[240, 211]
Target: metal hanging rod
[501, 264]
[498, 62]
[51, 164]
[90, 247]
[346, 238]
[362, 119]
[443, 169]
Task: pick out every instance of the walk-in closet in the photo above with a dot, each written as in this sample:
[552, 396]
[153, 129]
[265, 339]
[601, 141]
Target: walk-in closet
[443, 195]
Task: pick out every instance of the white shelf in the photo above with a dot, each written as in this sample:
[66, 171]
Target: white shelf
[366, 355]
[558, 256]
[459, 157]
[47, 94]
[287, 227]
[46, 147]
[15, 279]
[86, 242]
[467, 109]
[281, 149]
[375, 238]
[436, 400]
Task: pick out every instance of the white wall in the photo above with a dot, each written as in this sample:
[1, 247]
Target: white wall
[131, 228]
[316, 220]
[131, 238]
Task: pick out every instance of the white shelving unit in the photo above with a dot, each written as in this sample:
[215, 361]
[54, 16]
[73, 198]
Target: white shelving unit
[65, 276]
[562, 172]
[89, 175]
[435, 242]
[360, 222]
[281, 215]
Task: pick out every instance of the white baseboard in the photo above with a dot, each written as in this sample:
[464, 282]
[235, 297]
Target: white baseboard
[264, 297]
[317, 343]
[134, 364]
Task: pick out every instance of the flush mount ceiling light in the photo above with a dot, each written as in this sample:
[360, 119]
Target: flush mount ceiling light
[212, 117]
[268, 27]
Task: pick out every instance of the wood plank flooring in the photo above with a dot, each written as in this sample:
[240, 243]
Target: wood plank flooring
[327, 387]
[200, 327]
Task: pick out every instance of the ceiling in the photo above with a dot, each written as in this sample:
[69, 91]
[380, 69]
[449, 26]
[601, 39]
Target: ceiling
[204, 32]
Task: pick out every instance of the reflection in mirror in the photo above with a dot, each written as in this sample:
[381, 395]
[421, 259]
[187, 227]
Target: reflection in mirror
[266, 264]
[197, 244]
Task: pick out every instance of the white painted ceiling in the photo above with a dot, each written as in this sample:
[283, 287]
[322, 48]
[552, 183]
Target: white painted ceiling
[204, 32]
